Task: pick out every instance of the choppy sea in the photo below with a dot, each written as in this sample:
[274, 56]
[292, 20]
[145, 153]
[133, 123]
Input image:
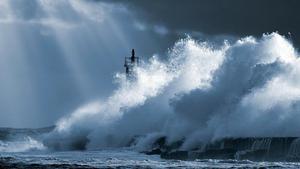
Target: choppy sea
[119, 158]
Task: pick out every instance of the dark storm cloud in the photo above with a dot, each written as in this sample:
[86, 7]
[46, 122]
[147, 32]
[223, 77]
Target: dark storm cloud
[215, 17]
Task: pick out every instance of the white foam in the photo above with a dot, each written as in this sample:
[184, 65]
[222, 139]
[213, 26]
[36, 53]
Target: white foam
[21, 145]
[227, 91]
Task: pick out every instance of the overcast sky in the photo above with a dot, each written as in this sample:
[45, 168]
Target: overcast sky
[58, 55]
[217, 17]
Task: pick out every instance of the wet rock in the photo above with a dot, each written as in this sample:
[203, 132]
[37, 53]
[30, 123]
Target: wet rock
[255, 149]
[155, 151]
[177, 155]
[213, 154]
[253, 155]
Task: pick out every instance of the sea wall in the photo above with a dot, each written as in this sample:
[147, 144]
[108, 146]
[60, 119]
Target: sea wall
[254, 149]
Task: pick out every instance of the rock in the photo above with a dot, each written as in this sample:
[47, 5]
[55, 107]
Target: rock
[155, 151]
[213, 154]
[177, 155]
[255, 149]
[253, 155]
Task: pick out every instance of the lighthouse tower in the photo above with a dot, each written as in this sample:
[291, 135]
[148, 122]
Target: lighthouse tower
[130, 64]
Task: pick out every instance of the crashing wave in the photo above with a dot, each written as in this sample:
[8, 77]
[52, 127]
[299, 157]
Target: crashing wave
[200, 93]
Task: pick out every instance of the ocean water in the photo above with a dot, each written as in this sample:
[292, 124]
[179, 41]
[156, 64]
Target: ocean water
[120, 158]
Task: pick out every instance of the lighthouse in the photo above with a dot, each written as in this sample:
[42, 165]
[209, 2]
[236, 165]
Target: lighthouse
[130, 64]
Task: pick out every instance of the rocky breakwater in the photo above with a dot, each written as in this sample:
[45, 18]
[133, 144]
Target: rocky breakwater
[254, 149]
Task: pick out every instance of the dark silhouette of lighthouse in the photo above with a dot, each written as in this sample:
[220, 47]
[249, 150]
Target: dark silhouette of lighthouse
[130, 64]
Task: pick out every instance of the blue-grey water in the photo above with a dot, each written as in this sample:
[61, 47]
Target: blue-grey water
[124, 158]
[23, 149]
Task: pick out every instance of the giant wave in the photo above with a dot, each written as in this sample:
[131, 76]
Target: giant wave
[201, 93]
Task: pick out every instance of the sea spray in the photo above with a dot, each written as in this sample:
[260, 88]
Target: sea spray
[154, 79]
[21, 145]
[248, 97]
[150, 80]
[200, 94]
